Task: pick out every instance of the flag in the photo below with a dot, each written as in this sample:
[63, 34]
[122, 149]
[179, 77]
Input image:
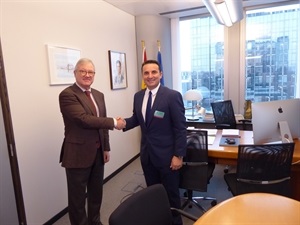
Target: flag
[144, 55]
[161, 66]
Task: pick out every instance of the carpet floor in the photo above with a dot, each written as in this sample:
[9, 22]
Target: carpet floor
[131, 180]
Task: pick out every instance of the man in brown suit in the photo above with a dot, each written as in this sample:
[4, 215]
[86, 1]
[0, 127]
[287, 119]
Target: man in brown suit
[86, 147]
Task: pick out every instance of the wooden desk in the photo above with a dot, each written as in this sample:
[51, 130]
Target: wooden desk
[254, 208]
[228, 156]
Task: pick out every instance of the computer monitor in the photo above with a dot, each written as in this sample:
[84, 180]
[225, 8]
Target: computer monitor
[266, 117]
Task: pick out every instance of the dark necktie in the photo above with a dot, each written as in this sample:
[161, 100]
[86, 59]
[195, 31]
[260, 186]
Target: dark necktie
[88, 94]
[148, 109]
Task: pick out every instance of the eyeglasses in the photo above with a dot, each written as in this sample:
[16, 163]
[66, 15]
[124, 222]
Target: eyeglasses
[84, 72]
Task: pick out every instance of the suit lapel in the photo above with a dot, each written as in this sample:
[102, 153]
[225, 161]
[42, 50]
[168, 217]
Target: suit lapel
[98, 102]
[139, 105]
[81, 95]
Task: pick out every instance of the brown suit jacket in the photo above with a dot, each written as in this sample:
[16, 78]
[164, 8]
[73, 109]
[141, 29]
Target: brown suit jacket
[83, 130]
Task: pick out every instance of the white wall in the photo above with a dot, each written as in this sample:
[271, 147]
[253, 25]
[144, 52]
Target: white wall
[151, 28]
[94, 27]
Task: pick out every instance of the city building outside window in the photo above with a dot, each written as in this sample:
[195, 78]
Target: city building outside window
[202, 57]
[272, 53]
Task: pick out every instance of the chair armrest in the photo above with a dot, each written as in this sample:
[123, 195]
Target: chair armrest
[222, 126]
[185, 214]
[195, 163]
[245, 121]
[263, 181]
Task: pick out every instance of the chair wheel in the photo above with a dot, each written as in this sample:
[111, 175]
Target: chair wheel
[226, 170]
[213, 203]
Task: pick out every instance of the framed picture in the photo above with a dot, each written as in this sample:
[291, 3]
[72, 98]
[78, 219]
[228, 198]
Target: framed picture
[117, 68]
[62, 62]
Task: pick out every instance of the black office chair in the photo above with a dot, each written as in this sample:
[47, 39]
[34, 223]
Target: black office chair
[196, 170]
[224, 114]
[225, 118]
[262, 168]
[149, 206]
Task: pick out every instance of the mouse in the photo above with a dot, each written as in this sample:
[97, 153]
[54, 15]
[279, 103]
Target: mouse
[230, 141]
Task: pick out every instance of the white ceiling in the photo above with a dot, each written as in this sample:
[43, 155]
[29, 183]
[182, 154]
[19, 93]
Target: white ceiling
[172, 8]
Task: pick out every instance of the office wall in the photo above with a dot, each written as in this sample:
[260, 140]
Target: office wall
[94, 27]
[151, 28]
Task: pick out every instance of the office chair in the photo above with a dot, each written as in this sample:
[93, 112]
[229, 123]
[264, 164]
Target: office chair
[149, 206]
[225, 118]
[224, 114]
[196, 170]
[262, 168]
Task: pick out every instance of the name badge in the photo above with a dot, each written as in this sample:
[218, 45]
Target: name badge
[159, 114]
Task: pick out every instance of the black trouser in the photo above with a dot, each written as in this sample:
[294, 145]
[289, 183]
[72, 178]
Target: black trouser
[82, 181]
[170, 180]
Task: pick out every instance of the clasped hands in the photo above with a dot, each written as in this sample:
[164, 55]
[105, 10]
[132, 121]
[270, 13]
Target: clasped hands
[121, 123]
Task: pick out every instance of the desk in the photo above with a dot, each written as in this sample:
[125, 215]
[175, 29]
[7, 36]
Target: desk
[211, 124]
[228, 155]
[253, 208]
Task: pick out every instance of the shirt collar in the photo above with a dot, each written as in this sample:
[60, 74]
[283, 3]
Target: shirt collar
[90, 90]
[153, 91]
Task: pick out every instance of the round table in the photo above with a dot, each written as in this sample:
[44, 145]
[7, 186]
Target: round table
[254, 208]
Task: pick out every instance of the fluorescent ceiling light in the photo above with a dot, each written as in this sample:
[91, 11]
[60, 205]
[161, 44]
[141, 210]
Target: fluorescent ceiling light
[226, 12]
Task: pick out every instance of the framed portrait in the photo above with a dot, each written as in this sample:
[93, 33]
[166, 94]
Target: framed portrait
[62, 62]
[117, 68]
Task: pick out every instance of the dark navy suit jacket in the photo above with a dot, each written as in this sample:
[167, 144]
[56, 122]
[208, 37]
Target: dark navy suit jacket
[165, 135]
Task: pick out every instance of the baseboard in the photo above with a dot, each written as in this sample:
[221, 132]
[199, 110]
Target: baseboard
[57, 216]
[120, 169]
[65, 210]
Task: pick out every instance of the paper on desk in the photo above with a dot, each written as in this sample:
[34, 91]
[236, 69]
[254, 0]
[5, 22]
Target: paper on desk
[230, 133]
[210, 132]
[238, 117]
[210, 140]
[190, 128]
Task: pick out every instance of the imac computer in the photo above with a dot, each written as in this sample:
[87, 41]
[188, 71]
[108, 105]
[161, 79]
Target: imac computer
[276, 121]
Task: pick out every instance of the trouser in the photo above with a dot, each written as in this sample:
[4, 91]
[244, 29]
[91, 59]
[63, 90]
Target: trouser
[82, 183]
[170, 180]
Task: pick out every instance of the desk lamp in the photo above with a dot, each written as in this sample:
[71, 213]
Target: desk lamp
[194, 96]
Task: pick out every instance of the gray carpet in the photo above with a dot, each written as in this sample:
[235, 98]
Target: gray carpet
[131, 180]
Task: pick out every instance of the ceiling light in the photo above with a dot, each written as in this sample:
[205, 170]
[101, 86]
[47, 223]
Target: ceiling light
[226, 12]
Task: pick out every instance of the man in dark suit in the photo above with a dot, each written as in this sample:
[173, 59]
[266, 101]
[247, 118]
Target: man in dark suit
[163, 142]
[86, 146]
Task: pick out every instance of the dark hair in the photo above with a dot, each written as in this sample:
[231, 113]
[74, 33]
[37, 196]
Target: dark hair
[151, 61]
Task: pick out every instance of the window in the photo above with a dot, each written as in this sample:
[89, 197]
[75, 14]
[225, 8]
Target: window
[271, 37]
[202, 56]
[272, 55]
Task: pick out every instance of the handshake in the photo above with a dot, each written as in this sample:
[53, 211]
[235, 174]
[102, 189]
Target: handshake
[121, 123]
